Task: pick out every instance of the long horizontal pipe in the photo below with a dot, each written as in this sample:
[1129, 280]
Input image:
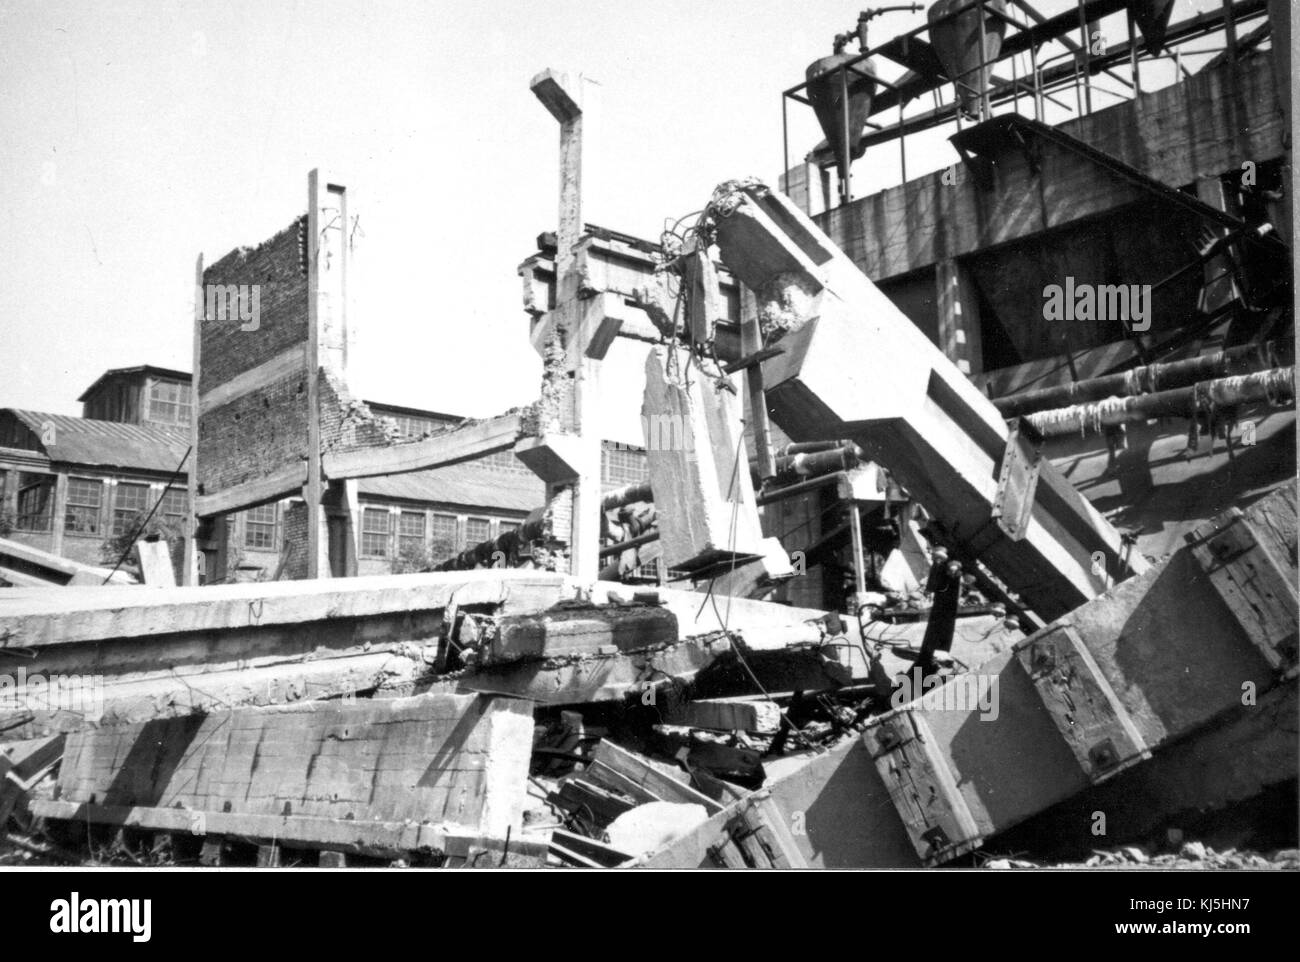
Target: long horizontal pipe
[1245, 359]
[1273, 386]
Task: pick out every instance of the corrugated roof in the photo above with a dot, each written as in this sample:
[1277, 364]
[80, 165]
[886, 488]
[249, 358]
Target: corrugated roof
[461, 484]
[107, 443]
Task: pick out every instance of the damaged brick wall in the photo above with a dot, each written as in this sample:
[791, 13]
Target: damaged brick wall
[294, 549]
[264, 431]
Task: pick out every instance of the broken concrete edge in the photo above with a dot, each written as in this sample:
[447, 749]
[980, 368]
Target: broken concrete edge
[380, 839]
[370, 763]
[36, 619]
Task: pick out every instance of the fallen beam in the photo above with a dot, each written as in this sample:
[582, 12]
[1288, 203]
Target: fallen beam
[855, 367]
[459, 763]
[450, 447]
[1157, 659]
[834, 807]
[25, 566]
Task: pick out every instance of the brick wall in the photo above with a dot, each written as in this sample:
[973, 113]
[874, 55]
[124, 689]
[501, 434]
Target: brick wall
[264, 431]
[295, 541]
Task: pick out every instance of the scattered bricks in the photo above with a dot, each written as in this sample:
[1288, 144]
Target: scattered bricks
[728, 714]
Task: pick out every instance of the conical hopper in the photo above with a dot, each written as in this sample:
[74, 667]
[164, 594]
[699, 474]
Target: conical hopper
[1152, 18]
[826, 91]
[957, 45]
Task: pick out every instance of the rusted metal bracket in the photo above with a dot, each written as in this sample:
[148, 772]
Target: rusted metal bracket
[1252, 583]
[1017, 479]
[756, 837]
[922, 787]
[1085, 709]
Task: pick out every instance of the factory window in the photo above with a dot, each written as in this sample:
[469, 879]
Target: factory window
[504, 462]
[622, 465]
[129, 501]
[410, 427]
[175, 509]
[374, 532]
[259, 527]
[81, 515]
[444, 536]
[476, 531]
[35, 502]
[169, 402]
[410, 531]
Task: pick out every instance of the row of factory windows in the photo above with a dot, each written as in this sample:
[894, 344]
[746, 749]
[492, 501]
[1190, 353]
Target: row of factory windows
[391, 532]
[386, 532]
[94, 507]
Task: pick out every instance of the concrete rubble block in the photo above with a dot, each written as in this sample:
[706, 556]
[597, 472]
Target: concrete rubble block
[828, 810]
[458, 762]
[728, 714]
[649, 827]
[1158, 660]
[580, 630]
[696, 458]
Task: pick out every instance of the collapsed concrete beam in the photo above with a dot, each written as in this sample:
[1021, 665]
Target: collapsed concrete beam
[695, 454]
[366, 762]
[28, 567]
[450, 447]
[576, 631]
[728, 714]
[855, 367]
[170, 652]
[1157, 659]
[833, 808]
[84, 614]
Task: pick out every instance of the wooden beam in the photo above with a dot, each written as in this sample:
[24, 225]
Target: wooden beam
[283, 483]
[451, 447]
[640, 772]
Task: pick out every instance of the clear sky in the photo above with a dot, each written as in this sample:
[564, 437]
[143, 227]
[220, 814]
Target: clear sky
[134, 136]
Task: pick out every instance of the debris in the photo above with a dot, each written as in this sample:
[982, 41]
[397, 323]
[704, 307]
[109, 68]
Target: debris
[650, 826]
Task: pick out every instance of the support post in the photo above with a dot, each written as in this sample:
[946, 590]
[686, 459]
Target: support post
[565, 103]
[327, 350]
[190, 564]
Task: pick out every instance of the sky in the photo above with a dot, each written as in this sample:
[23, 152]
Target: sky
[135, 136]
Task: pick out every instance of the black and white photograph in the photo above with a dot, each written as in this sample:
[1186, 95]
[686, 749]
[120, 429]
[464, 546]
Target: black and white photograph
[626, 438]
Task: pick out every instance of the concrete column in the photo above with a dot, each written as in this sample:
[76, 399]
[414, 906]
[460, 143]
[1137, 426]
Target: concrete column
[57, 512]
[809, 187]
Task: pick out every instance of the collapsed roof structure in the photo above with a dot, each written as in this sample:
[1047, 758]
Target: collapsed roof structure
[1048, 582]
